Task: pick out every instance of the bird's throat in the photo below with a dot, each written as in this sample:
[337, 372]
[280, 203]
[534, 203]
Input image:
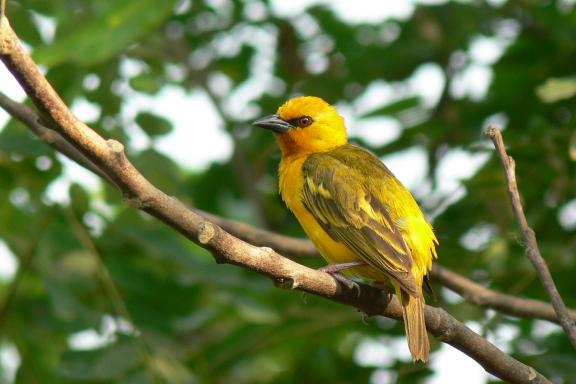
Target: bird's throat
[301, 143]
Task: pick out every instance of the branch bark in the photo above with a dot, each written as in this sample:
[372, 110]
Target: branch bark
[531, 245]
[109, 157]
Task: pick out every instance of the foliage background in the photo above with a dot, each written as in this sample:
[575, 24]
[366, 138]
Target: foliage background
[105, 294]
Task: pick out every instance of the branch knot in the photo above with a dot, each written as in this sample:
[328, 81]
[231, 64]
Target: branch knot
[138, 202]
[285, 283]
[116, 147]
[207, 232]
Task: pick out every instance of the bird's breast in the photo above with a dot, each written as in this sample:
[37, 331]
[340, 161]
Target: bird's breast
[334, 252]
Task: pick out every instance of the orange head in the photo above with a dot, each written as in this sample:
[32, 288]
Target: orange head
[305, 125]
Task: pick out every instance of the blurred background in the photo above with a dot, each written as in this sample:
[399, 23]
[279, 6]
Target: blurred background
[94, 291]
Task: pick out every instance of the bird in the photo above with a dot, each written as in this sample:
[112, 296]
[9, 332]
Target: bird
[364, 222]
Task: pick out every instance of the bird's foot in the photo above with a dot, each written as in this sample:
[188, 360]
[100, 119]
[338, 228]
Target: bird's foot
[350, 284]
[335, 269]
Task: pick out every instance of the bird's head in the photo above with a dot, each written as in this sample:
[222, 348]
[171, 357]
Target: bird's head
[305, 125]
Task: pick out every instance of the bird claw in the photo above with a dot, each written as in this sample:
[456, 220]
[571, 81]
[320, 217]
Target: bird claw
[352, 285]
[346, 281]
[335, 269]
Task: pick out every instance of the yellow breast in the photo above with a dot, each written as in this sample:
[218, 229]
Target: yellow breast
[291, 184]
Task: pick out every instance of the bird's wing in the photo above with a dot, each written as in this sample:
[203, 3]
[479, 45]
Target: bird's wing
[340, 192]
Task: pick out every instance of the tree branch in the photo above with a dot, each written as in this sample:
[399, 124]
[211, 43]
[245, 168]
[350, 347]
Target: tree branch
[531, 245]
[468, 289]
[109, 157]
[488, 298]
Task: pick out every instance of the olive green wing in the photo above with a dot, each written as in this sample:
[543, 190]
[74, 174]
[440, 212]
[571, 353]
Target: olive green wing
[339, 193]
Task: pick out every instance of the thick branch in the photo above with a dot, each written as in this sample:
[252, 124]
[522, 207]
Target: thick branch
[264, 238]
[110, 158]
[471, 291]
[531, 245]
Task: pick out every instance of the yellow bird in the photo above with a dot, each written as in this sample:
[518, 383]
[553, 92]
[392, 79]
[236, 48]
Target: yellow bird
[353, 208]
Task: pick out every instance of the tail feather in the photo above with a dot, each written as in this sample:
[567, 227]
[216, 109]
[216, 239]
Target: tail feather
[415, 326]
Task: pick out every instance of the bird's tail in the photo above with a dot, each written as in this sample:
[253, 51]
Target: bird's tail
[413, 313]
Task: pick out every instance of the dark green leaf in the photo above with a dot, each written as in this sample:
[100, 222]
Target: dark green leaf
[152, 124]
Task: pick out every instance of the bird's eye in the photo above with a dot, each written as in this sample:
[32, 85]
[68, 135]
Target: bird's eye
[305, 121]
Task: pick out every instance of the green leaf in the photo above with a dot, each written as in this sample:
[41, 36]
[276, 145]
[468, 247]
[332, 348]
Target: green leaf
[147, 83]
[110, 32]
[556, 89]
[152, 124]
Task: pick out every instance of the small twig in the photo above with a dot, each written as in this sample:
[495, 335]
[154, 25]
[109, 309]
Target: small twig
[2, 10]
[488, 298]
[48, 135]
[531, 248]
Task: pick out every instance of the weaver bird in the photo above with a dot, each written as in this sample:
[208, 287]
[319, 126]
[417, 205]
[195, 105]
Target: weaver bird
[360, 217]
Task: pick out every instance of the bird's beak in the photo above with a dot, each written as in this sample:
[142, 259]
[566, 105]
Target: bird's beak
[274, 123]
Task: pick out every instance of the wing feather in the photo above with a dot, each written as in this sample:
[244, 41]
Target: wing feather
[343, 200]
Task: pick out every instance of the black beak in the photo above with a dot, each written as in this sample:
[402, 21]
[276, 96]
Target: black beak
[274, 123]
